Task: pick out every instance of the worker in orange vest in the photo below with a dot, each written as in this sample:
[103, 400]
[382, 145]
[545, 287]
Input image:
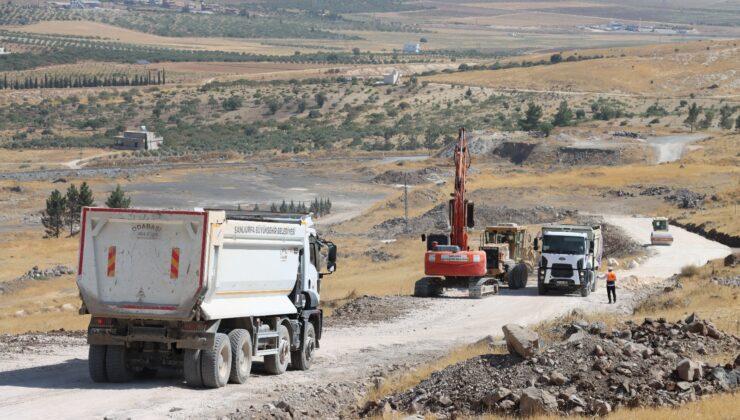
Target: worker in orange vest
[611, 285]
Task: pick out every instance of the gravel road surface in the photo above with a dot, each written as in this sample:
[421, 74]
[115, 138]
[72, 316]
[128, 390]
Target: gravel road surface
[48, 378]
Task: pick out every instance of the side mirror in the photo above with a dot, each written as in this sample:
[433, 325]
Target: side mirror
[536, 244]
[331, 263]
[423, 237]
[591, 247]
[470, 213]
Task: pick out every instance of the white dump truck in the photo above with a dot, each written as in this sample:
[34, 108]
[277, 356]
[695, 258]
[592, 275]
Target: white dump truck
[570, 257]
[205, 291]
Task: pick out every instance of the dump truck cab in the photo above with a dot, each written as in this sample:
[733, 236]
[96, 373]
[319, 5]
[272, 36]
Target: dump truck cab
[660, 234]
[507, 245]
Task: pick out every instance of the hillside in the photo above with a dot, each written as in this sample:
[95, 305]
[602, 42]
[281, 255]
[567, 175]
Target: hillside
[700, 68]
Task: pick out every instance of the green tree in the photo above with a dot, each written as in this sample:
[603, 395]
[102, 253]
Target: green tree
[580, 114]
[546, 128]
[232, 103]
[708, 118]
[556, 58]
[725, 116]
[356, 51]
[118, 199]
[320, 99]
[283, 207]
[737, 123]
[86, 196]
[531, 120]
[72, 208]
[53, 217]
[564, 115]
[693, 116]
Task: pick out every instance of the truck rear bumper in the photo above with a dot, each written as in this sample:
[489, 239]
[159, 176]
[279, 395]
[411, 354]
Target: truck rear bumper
[121, 336]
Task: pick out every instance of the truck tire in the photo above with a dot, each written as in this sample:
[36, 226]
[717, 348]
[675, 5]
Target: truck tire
[585, 288]
[115, 364]
[215, 363]
[520, 274]
[277, 364]
[191, 368]
[96, 363]
[301, 359]
[241, 356]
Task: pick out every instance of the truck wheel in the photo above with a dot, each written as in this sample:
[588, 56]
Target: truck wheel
[115, 364]
[585, 288]
[520, 274]
[241, 356]
[216, 362]
[302, 358]
[541, 287]
[96, 363]
[277, 364]
[191, 368]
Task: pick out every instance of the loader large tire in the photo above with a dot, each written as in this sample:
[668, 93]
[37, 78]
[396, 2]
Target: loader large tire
[301, 359]
[520, 275]
[277, 364]
[241, 356]
[216, 362]
[96, 363]
[116, 365]
[191, 368]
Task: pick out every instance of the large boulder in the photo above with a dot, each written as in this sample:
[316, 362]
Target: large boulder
[534, 402]
[688, 370]
[522, 341]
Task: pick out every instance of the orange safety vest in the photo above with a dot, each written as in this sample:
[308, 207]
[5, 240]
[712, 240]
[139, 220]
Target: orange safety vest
[611, 277]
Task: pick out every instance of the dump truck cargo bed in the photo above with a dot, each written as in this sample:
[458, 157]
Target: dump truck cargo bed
[168, 265]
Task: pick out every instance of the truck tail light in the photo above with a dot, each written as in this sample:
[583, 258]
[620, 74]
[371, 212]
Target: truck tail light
[102, 322]
[111, 261]
[175, 263]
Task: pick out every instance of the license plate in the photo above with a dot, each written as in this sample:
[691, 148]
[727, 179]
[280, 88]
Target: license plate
[563, 283]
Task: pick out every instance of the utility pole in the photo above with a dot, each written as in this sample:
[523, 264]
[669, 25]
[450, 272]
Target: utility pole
[406, 202]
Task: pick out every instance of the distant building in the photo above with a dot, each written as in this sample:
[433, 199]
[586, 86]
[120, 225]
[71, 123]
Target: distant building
[138, 140]
[412, 48]
[392, 78]
[3, 52]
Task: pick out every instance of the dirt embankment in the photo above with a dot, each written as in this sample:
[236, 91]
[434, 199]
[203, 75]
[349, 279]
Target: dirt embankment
[592, 372]
[732, 241]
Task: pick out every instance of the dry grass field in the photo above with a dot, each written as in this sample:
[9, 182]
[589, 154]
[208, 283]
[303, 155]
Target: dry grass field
[700, 68]
[118, 34]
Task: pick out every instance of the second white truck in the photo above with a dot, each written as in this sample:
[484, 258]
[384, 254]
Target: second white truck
[570, 257]
[205, 291]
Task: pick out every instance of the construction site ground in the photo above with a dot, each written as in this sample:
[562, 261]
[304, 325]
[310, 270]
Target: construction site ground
[40, 373]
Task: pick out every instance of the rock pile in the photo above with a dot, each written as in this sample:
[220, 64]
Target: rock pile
[686, 199]
[378, 255]
[594, 371]
[35, 274]
[420, 176]
[373, 309]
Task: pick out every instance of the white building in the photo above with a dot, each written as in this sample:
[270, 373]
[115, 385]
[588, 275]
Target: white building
[412, 48]
[138, 140]
[3, 52]
[392, 78]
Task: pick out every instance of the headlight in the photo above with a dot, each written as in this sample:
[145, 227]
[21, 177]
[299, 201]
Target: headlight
[432, 258]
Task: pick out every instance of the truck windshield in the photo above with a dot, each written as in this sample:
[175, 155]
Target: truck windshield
[563, 245]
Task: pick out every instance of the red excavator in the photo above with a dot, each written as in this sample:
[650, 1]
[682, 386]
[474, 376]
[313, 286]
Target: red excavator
[449, 263]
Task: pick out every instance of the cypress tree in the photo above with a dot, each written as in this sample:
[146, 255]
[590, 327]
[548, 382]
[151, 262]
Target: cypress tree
[118, 199]
[72, 208]
[53, 217]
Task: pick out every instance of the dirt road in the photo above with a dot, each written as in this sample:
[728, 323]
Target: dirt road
[48, 378]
